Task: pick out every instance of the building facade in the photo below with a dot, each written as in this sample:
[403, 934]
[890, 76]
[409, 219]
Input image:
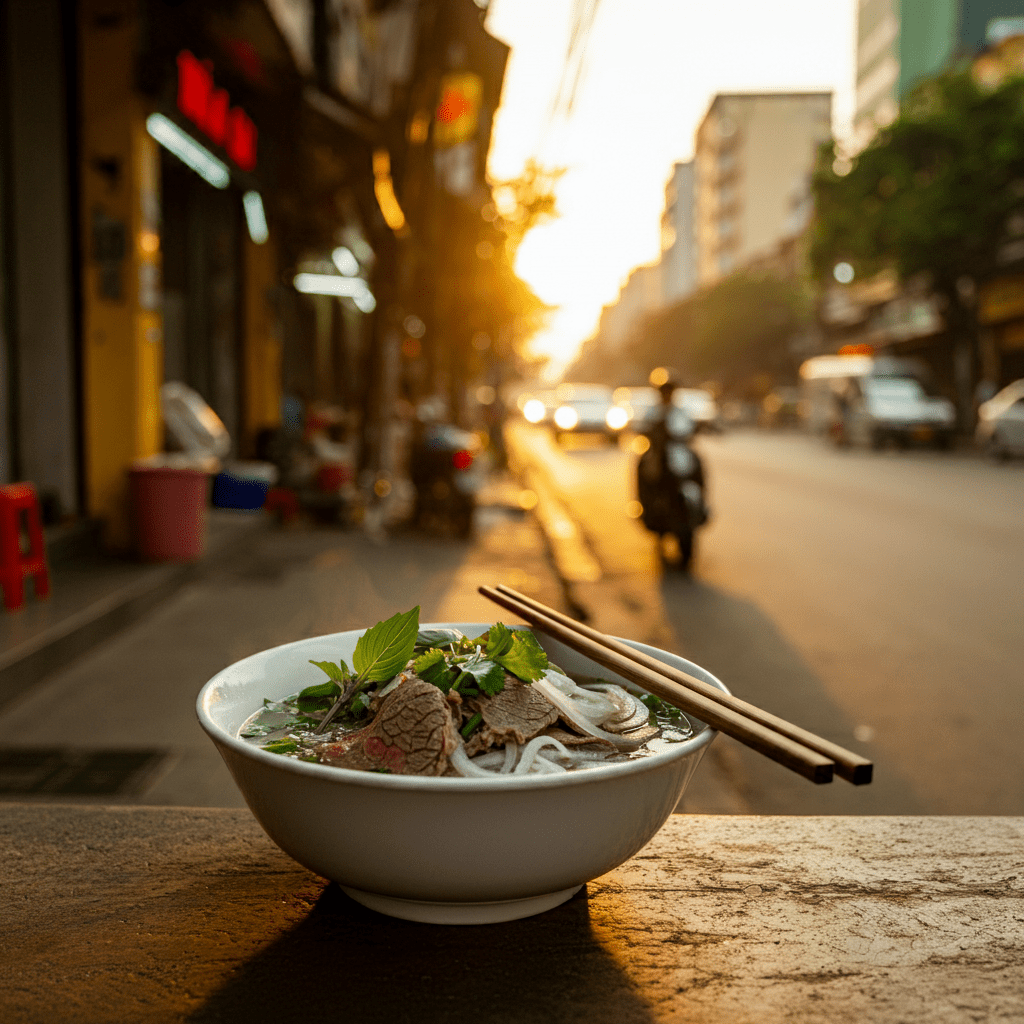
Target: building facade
[754, 153]
[678, 252]
[900, 43]
[169, 169]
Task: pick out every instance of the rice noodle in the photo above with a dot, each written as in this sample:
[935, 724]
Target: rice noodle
[572, 713]
[464, 766]
[511, 756]
[530, 753]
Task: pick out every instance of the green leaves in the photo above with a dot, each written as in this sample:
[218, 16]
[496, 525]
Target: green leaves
[339, 673]
[433, 668]
[318, 697]
[517, 651]
[383, 650]
[488, 675]
[281, 746]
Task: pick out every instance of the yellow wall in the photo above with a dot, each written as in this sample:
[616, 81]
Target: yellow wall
[122, 338]
[262, 341]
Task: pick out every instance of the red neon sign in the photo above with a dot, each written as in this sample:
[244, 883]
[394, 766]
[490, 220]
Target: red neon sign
[209, 108]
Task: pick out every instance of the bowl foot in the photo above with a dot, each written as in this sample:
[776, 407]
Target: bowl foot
[461, 913]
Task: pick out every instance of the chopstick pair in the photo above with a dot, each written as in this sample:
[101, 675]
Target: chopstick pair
[805, 753]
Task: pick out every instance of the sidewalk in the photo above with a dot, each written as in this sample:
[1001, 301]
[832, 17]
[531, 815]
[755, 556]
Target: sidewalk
[93, 596]
[97, 684]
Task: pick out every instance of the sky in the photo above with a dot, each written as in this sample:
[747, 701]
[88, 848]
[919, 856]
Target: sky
[651, 69]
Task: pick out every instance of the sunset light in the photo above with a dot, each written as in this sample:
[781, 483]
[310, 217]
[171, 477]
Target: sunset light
[648, 73]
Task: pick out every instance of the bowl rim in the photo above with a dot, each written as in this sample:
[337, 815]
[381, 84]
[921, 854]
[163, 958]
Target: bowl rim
[434, 783]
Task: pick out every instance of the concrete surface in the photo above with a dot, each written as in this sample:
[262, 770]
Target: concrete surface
[170, 914]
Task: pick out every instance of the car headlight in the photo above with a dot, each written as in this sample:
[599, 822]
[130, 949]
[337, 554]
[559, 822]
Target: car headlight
[566, 417]
[533, 410]
[616, 418]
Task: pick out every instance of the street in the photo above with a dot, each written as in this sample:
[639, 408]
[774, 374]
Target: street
[873, 598]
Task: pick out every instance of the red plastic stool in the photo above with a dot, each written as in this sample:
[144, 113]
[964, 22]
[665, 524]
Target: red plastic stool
[282, 502]
[17, 500]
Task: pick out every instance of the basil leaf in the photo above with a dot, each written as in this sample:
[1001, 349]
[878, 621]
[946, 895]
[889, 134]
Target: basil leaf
[339, 673]
[526, 659]
[383, 650]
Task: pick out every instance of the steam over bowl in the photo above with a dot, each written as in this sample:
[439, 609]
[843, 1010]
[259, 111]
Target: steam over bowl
[444, 850]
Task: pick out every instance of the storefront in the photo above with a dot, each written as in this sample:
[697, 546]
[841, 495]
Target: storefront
[1001, 313]
[39, 364]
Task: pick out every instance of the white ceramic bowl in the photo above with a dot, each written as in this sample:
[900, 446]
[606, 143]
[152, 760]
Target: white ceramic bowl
[444, 850]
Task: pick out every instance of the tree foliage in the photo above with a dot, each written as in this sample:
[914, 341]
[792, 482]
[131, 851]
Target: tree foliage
[936, 191]
[730, 332]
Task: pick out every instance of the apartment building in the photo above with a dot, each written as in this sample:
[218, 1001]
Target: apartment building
[754, 156]
[678, 255]
[902, 42]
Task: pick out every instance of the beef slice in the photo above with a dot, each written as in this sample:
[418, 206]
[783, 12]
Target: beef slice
[413, 733]
[518, 713]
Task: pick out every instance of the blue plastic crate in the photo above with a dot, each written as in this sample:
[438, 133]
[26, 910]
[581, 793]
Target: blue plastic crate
[230, 491]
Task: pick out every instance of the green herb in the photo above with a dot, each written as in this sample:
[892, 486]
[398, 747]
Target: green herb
[658, 708]
[488, 675]
[468, 728]
[381, 653]
[433, 668]
[383, 650]
[281, 746]
[517, 651]
[339, 673]
[321, 696]
[428, 638]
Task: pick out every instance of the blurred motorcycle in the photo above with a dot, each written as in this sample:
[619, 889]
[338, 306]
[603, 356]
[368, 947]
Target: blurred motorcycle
[447, 472]
[670, 483]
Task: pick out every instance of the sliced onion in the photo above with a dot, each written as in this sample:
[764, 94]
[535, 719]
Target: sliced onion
[591, 705]
[580, 721]
[632, 712]
[542, 766]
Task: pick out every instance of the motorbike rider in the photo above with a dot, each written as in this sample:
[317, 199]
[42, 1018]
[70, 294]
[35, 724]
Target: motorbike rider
[671, 467]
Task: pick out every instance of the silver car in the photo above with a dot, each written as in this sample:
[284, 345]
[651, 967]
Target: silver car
[1000, 429]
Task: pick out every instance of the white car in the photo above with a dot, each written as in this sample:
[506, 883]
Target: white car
[587, 409]
[897, 410]
[700, 406]
[1000, 428]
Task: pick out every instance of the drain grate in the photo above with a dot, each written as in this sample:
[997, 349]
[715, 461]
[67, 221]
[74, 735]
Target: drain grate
[74, 772]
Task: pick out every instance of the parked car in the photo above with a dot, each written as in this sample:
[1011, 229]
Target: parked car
[872, 401]
[587, 409]
[1000, 429]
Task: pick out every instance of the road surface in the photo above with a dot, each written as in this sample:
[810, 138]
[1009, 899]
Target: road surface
[876, 598]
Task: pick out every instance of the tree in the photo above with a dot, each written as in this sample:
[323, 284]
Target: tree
[938, 194]
[733, 332]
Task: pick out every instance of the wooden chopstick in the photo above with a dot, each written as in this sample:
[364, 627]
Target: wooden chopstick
[717, 713]
[848, 765]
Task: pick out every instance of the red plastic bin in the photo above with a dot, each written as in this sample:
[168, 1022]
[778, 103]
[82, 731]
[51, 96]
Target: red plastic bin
[169, 511]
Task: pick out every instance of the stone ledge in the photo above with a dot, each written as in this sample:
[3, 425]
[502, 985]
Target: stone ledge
[168, 914]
